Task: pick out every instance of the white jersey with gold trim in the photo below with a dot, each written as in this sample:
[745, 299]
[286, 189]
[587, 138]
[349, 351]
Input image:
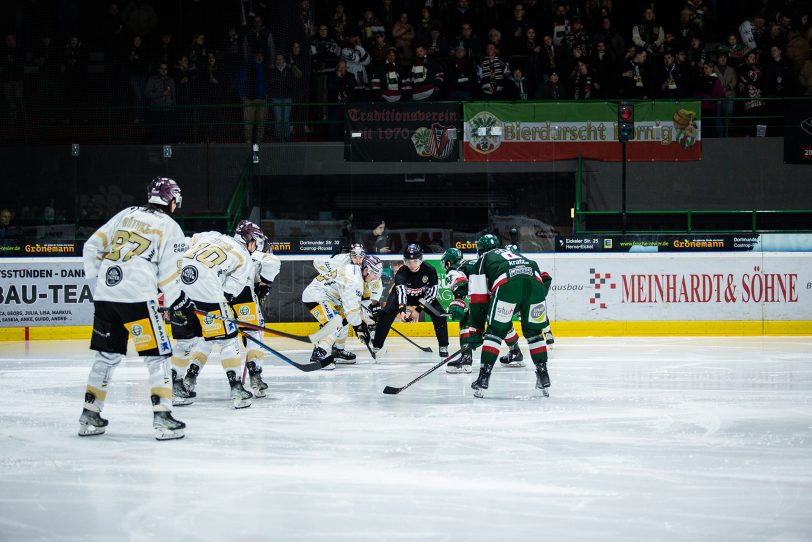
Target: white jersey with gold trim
[342, 287]
[134, 254]
[326, 264]
[215, 264]
[267, 266]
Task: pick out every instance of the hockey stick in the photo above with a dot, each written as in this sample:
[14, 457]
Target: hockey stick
[391, 390]
[328, 328]
[423, 348]
[432, 310]
[306, 367]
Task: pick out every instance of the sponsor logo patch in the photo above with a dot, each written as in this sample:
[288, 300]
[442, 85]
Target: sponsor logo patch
[188, 275]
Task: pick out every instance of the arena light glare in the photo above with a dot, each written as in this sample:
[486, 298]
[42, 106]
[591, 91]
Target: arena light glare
[625, 122]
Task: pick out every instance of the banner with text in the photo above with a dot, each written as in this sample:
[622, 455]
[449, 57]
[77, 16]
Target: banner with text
[545, 131]
[402, 132]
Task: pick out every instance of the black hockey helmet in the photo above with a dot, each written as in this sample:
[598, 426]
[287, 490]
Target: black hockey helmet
[413, 252]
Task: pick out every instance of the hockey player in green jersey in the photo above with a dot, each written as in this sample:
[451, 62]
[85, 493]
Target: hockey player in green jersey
[457, 271]
[501, 284]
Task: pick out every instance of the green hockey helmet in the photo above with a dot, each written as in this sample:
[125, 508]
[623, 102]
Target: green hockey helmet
[487, 243]
[451, 258]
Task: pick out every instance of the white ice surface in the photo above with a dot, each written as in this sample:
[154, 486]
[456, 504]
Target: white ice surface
[663, 439]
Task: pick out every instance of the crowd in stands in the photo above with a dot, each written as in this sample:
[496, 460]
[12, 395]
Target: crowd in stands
[270, 56]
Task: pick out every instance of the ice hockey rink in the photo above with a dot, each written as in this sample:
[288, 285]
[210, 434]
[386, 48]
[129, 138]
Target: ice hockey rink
[642, 439]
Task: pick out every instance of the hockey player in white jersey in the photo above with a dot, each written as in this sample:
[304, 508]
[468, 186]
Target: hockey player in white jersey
[131, 257]
[339, 294]
[215, 270]
[248, 308]
[324, 265]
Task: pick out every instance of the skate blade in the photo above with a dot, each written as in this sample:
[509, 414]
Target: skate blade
[345, 362]
[544, 391]
[330, 367]
[479, 394]
[514, 364]
[181, 401]
[259, 393]
[461, 370]
[242, 403]
[168, 434]
[90, 430]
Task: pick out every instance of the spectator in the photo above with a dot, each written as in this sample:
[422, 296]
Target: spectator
[696, 13]
[470, 41]
[780, 81]
[687, 27]
[697, 55]
[232, 55]
[552, 89]
[615, 44]
[582, 84]
[462, 14]
[378, 52]
[797, 50]
[74, 62]
[214, 90]
[461, 76]
[166, 52]
[603, 70]
[357, 59]
[378, 240]
[733, 49]
[635, 79]
[729, 78]
[7, 229]
[436, 46]
[198, 52]
[577, 37]
[425, 25]
[425, 76]
[340, 24]
[299, 60]
[671, 82]
[324, 53]
[388, 13]
[184, 74]
[252, 85]
[529, 59]
[258, 38]
[515, 30]
[752, 31]
[561, 26]
[491, 74]
[550, 58]
[516, 87]
[647, 34]
[709, 89]
[404, 34]
[282, 86]
[751, 81]
[161, 95]
[390, 82]
[369, 26]
[495, 37]
[340, 86]
[137, 70]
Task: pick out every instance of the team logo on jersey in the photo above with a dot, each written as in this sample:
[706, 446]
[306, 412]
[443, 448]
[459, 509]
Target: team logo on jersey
[425, 279]
[114, 276]
[188, 275]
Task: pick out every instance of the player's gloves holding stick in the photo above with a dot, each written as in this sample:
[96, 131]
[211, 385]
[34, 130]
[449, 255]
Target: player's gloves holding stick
[374, 311]
[262, 291]
[457, 309]
[409, 315]
[362, 331]
[183, 309]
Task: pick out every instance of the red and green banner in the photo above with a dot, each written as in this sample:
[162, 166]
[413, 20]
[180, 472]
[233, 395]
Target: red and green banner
[547, 131]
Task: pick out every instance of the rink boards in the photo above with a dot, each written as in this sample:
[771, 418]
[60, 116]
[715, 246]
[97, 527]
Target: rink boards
[614, 294]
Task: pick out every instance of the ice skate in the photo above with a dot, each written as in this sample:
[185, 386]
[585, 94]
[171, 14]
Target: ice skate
[166, 427]
[481, 383]
[513, 358]
[542, 378]
[258, 386]
[378, 353]
[190, 380]
[342, 356]
[180, 395]
[549, 339]
[463, 364]
[443, 352]
[240, 395]
[91, 423]
[319, 355]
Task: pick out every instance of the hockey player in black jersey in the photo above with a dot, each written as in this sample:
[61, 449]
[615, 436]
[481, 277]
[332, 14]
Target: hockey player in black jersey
[415, 283]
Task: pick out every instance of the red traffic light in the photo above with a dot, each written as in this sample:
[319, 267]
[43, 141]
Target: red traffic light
[626, 112]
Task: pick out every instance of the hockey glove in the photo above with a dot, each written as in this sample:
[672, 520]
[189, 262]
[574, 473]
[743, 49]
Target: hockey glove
[183, 309]
[375, 311]
[457, 309]
[262, 291]
[362, 331]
